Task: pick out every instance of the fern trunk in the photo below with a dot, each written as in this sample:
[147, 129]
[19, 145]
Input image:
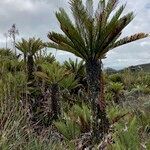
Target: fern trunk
[30, 67]
[100, 123]
[55, 104]
[25, 62]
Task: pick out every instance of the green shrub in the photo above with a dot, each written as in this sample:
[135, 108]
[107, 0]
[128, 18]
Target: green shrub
[115, 77]
[82, 116]
[68, 128]
[126, 136]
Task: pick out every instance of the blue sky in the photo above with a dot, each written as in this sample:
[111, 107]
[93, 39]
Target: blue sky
[37, 18]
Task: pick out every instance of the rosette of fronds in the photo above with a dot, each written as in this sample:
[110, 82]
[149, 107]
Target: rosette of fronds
[9, 62]
[94, 33]
[29, 48]
[56, 74]
[117, 89]
[82, 116]
[76, 67]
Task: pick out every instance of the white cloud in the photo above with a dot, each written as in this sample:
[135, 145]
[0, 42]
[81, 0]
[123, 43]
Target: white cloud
[145, 43]
[19, 5]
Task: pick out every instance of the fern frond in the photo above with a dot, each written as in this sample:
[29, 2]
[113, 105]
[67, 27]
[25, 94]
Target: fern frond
[71, 32]
[67, 48]
[130, 39]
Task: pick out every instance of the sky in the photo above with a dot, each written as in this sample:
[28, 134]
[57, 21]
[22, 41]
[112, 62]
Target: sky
[35, 18]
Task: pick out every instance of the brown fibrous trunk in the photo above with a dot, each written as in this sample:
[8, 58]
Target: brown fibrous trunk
[55, 104]
[100, 125]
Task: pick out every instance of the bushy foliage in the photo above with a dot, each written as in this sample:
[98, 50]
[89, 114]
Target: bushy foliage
[48, 105]
[129, 119]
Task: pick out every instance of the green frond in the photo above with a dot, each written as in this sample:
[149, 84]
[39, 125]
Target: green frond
[63, 42]
[115, 32]
[59, 38]
[7, 53]
[69, 82]
[129, 39]
[75, 67]
[65, 47]
[84, 21]
[22, 46]
[124, 41]
[71, 32]
[116, 16]
[89, 8]
[100, 8]
[109, 27]
[42, 75]
[102, 14]
[53, 72]
[30, 46]
[111, 5]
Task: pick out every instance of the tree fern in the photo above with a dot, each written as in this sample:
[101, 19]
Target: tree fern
[92, 35]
